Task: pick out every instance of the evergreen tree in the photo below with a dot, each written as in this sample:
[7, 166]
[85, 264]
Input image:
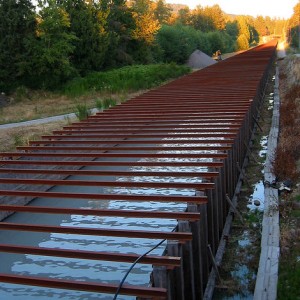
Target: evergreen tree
[120, 27]
[50, 65]
[88, 23]
[162, 12]
[17, 26]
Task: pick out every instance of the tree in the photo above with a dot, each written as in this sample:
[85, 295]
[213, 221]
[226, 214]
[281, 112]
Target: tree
[17, 26]
[88, 23]
[294, 26]
[50, 65]
[201, 20]
[184, 16]
[216, 15]
[146, 23]
[120, 27]
[162, 12]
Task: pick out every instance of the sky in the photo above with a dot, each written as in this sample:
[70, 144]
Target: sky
[272, 8]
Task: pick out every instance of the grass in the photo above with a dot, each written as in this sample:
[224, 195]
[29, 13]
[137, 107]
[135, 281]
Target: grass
[118, 85]
[129, 78]
[287, 165]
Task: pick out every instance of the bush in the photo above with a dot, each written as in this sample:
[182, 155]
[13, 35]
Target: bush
[129, 79]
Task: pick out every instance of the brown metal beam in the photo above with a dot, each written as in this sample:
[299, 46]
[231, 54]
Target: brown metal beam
[52, 182]
[120, 148]
[147, 292]
[110, 173]
[97, 197]
[208, 164]
[103, 212]
[142, 234]
[115, 155]
[168, 261]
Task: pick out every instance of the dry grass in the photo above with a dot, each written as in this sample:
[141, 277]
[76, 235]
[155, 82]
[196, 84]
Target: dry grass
[35, 105]
[288, 151]
[20, 136]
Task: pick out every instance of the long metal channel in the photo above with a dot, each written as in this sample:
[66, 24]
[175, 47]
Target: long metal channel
[100, 197]
[142, 234]
[109, 173]
[103, 212]
[157, 293]
[179, 185]
[206, 115]
[168, 261]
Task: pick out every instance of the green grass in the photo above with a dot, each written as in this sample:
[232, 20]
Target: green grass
[289, 277]
[128, 79]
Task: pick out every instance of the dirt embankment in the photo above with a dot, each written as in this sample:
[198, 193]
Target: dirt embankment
[287, 167]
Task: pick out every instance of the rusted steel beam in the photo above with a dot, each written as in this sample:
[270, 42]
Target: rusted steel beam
[182, 185]
[114, 155]
[103, 212]
[100, 197]
[171, 126]
[142, 234]
[133, 141]
[120, 148]
[142, 130]
[207, 164]
[175, 122]
[147, 173]
[137, 135]
[168, 261]
[157, 293]
[184, 118]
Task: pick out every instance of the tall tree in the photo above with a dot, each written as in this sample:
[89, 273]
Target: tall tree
[201, 20]
[162, 12]
[120, 27]
[50, 65]
[88, 23]
[146, 23]
[294, 28]
[17, 26]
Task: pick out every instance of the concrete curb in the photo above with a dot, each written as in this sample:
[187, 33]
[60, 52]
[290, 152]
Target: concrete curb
[267, 276]
[43, 121]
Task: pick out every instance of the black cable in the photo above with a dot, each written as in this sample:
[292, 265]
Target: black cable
[132, 266]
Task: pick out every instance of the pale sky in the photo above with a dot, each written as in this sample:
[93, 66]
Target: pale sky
[272, 8]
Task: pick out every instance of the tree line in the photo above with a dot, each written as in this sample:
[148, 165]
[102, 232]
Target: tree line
[43, 44]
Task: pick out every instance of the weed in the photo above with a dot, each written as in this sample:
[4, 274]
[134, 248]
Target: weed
[99, 104]
[21, 93]
[129, 78]
[18, 140]
[108, 102]
[82, 112]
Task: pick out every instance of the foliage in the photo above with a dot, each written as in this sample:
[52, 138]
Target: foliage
[50, 50]
[162, 12]
[17, 26]
[43, 47]
[130, 78]
[88, 23]
[82, 112]
[294, 27]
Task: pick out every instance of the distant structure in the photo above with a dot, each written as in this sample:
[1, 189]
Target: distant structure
[199, 60]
